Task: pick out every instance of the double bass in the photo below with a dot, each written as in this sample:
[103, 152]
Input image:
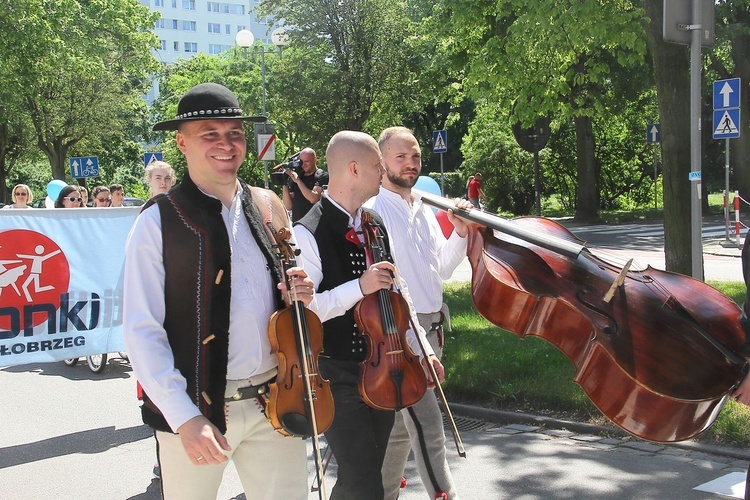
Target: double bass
[656, 352]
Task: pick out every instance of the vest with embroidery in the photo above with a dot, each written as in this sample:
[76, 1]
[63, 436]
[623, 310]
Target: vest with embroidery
[342, 259]
[197, 290]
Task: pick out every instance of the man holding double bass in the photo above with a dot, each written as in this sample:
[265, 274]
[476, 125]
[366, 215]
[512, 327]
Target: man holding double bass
[332, 252]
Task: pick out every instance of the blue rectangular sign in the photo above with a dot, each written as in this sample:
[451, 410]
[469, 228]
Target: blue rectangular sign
[85, 166]
[653, 132]
[727, 123]
[440, 141]
[727, 93]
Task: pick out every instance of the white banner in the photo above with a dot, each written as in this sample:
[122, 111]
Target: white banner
[61, 282]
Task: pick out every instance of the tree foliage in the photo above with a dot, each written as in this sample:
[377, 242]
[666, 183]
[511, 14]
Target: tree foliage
[79, 67]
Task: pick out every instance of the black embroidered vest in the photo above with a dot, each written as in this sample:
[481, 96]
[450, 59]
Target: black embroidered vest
[341, 260]
[197, 289]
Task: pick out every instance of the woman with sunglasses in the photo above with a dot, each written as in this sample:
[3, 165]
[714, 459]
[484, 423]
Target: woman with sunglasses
[22, 197]
[101, 197]
[69, 197]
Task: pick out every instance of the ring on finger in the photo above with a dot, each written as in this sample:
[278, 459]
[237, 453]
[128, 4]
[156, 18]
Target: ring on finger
[199, 458]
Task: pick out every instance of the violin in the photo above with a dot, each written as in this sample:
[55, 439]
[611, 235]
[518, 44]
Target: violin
[300, 402]
[656, 352]
[391, 377]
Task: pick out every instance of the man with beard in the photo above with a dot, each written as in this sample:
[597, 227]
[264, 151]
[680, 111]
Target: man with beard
[424, 258]
[333, 254]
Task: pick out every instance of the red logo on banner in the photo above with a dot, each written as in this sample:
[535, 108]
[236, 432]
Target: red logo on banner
[33, 270]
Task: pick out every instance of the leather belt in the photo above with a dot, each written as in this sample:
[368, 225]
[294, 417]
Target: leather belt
[249, 392]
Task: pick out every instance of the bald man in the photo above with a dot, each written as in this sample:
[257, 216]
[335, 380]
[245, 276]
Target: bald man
[330, 240]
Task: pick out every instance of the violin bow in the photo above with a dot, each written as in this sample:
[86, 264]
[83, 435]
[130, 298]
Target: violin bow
[286, 254]
[431, 369]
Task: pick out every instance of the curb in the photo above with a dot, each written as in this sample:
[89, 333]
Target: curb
[511, 417]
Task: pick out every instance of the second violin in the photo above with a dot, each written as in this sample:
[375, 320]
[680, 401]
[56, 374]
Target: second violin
[392, 377]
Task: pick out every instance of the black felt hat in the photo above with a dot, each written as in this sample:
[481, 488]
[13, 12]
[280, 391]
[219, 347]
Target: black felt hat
[207, 101]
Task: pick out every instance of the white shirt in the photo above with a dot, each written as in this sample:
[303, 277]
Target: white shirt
[335, 302]
[424, 257]
[252, 303]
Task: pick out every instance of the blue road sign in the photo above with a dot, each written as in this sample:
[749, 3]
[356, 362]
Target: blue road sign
[85, 166]
[727, 123]
[439, 141]
[149, 158]
[727, 93]
[653, 132]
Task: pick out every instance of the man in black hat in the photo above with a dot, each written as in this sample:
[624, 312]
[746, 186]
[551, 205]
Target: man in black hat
[200, 286]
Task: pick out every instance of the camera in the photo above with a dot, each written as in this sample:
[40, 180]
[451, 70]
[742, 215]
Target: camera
[279, 177]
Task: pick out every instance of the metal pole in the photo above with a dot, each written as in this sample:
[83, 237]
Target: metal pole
[695, 142]
[656, 194]
[726, 186]
[537, 181]
[442, 182]
[266, 174]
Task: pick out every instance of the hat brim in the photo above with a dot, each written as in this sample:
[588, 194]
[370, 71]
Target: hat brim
[175, 124]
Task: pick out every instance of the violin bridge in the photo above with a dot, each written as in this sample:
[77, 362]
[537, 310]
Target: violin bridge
[618, 282]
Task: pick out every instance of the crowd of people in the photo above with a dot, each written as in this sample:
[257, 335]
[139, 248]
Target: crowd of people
[158, 176]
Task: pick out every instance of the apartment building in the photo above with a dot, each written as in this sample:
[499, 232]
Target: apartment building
[188, 27]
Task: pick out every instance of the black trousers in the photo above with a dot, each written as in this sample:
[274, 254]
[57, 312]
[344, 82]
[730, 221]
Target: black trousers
[358, 435]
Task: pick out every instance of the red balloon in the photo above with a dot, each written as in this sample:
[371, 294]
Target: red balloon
[445, 224]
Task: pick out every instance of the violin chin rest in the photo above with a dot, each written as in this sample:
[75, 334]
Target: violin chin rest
[296, 424]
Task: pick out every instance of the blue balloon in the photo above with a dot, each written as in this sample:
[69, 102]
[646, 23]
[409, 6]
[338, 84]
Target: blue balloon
[428, 184]
[54, 188]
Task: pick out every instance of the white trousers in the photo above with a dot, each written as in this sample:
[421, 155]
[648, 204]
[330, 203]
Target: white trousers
[270, 466]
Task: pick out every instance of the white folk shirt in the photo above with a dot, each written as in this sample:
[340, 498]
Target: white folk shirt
[251, 306]
[424, 257]
[335, 302]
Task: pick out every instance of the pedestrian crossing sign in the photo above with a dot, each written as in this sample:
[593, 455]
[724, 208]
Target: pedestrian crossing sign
[440, 141]
[727, 123]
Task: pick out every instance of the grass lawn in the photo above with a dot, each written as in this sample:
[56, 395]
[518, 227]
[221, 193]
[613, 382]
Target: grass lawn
[495, 369]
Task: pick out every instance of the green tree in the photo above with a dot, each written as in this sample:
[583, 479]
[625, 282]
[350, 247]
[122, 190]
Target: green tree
[76, 65]
[553, 58]
[342, 58]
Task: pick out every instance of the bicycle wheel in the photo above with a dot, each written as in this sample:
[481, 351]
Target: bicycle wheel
[71, 361]
[97, 362]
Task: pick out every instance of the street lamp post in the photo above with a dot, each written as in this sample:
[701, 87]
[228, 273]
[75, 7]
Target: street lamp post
[245, 39]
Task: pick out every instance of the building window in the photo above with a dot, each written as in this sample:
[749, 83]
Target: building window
[214, 48]
[240, 28]
[159, 23]
[174, 4]
[176, 46]
[162, 45]
[213, 6]
[238, 9]
[188, 4]
[191, 47]
[158, 3]
[175, 24]
[188, 25]
[228, 29]
[225, 8]
[214, 28]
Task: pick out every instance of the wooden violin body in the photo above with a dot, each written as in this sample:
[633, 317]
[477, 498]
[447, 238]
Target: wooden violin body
[643, 358]
[287, 407]
[391, 378]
